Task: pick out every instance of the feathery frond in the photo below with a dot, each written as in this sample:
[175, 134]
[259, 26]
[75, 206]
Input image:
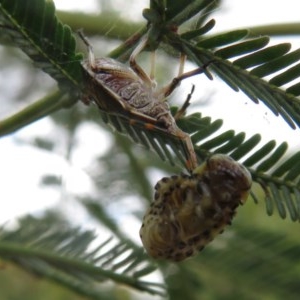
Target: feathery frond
[251, 82]
[81, 261]
[46, 48]
[33, 27]
[36, 41]
[72, 257]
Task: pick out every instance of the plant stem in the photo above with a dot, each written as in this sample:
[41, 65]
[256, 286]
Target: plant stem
[107, 24]
[35, 111]
[277, 30]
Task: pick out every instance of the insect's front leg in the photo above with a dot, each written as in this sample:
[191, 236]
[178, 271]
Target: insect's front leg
[137, 68]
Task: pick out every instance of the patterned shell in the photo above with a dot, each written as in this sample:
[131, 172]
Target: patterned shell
[189, 211]
[116, 88]
[135, 107]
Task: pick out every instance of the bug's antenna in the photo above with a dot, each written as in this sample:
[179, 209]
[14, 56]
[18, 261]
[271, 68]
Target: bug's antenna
[89, 47]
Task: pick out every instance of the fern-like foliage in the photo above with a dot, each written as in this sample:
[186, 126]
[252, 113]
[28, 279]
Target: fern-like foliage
[33, 27]
[72, 257]
[51, 46]
[281, 186]
[247, 73]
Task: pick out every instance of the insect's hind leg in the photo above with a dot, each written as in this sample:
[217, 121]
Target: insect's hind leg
[181, 112]
[192, 161]
[168, 89]
[191, 157]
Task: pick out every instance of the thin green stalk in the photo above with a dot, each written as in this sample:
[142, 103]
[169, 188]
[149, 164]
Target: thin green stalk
[277, 30]
[123, 51]
[108, 24]
[35, 111]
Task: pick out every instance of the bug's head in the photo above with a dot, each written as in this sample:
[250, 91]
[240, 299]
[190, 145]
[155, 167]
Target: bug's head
[227, 179]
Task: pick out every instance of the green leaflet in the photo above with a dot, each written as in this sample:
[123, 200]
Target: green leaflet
[252, 53]
[33, 26]
[49, 246]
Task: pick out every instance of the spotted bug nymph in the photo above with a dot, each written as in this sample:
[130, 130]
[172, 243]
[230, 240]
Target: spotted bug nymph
[130, 95]
[188, 211]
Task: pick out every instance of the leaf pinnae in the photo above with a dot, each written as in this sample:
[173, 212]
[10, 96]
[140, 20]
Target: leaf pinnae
[34, 28]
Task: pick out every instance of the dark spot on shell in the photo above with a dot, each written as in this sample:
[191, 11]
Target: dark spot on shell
[167, 193]
[164, 200]
[189, 253]
[200, 248]
[159, 206]
[157, 186]
[185, 176]
[194, 240]
[181, 245]
[206, 233]
[177, 256]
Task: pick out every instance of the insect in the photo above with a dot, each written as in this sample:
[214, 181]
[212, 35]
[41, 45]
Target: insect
[188, 211]
[129, 100]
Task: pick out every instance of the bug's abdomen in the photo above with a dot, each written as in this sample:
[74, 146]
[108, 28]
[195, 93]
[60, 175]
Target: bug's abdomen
[121, 80]
[133, 92]
[189, 211]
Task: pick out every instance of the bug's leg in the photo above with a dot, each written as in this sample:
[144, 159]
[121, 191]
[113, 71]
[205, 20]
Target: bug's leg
[181, 64]
[182, 110]
[136, 67]
[191, 157]
[167, 90]
[152, 70]
[178, 79]
[91, 56]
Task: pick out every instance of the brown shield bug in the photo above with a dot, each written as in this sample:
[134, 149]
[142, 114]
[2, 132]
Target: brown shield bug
[129, 100]
[188, 211]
